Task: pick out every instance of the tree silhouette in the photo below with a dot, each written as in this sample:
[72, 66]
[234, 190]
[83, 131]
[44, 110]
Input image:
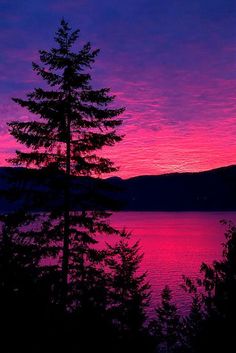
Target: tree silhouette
[166, 328]
[129, 294]
[74, 122]
[219, 283]
[193, 323]
[26, 289]
[210, 325]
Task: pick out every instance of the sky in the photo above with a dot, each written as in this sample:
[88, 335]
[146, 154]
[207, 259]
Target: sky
[171, 63]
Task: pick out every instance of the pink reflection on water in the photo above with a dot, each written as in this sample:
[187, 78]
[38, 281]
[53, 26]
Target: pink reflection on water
[175, 243]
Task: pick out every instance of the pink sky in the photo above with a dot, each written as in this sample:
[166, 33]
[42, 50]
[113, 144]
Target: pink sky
[172, 67]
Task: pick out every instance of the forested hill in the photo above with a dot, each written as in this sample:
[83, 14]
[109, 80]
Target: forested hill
[203, 191]
[210, 190]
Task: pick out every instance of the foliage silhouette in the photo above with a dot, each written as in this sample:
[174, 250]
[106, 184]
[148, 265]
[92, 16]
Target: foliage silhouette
[73, 122]
[60, 290]
[166, 328]
[209, 327]
[129, 294]
[28, 313]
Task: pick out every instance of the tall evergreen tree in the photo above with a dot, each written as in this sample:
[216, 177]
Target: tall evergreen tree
[74, 122]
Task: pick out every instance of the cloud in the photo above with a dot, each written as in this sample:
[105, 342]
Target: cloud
[171, 64]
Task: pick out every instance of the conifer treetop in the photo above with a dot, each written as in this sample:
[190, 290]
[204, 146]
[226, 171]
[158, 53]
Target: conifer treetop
[69, 112]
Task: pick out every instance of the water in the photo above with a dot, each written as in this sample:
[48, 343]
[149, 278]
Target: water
[175, 243]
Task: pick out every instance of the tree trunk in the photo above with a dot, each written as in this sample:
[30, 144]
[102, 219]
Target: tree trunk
[66, 240]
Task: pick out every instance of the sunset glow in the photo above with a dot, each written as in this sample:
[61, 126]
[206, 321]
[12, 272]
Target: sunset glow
[172, 65]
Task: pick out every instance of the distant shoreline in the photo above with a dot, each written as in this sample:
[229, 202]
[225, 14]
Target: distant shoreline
[210, 191]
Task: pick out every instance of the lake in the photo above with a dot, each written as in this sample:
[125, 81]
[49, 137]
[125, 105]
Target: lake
[175, 243]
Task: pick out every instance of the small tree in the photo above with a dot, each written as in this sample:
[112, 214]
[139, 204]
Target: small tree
[129, 293]
[74, 122]
[210, 325]
[219, 284]
[166, 327]
[193, 323]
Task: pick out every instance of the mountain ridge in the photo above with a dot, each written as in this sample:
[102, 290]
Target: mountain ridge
[211, 190]
[224, 168]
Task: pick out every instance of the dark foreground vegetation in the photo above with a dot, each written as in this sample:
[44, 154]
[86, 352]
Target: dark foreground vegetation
[108, 301]
[63, 286]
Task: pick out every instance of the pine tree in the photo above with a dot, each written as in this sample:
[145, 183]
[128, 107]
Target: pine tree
[129, 294]
[219, 288]
[193, 325]
[210, 325]
[167, 327]
[73, 122]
